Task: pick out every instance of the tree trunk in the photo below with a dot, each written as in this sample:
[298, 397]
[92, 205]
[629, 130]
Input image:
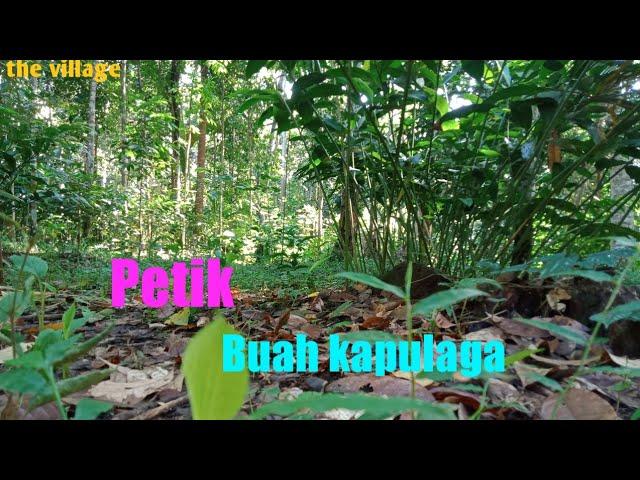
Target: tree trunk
[174, 103]
[90, 163]
[124, 173]
[202, 147]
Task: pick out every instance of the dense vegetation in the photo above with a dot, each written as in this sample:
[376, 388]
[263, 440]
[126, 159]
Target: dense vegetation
[295, 170]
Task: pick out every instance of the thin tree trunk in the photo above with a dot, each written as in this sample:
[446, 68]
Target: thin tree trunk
[320, 198]
[90, 163]
[124, 173]
[174, 102]
[222, 164]
[202, 147]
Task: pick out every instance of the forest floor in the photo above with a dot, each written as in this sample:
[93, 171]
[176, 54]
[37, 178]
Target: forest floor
[146, 345]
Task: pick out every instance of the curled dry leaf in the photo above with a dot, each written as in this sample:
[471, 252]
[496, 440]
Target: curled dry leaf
[577, 405]
[443, 322]
[485, 334]
[312, 331]
[526, 373]
[556, 362]
[513, 327]
[423, 382]
[500, 391]
[375, 323]
[388, 385]
[128, 387]
[281, 322]
[555, 297]
[317, 304]
[623, 361]
[451, 395]
[387, 306]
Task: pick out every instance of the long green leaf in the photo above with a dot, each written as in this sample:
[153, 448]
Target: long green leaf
[444, 299]
[372, 282]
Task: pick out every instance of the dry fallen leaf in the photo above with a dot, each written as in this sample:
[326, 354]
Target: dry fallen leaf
[486, 334]
[388, 385]
[500, 391]
[554, 298]
[317, 304]
[7, 353]
[577, 405]
[526, 373]
[312, 331]
[128, 387]
[443, 322]
[375, 323]
[513, 327]
[620, 360]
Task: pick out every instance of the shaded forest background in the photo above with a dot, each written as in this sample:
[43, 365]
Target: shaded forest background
[460, 165]
[499, 196]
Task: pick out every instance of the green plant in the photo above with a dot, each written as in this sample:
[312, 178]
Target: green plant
[213, 393]
[33, 372]
[38, 268]
[427, 306]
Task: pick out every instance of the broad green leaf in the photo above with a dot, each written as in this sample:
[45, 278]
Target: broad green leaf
[559, 262]
[89, 409]
[33, 359]
[453, 124]
[22, 380]
[363, 88]
[444, 299]
[33, 265]
[442, 105]
[372, 282]
[13, 304]
[214, 394]
[593, 275]
[475, 282]
[475, 68]
[254, 66]
[621, 312]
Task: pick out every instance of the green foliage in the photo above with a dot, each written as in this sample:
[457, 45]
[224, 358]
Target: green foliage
[32, 265]
[213, 393]
[444, 299]
[33, 372]
[90, 409]
[630, 311]
[374, 407]
[372, 282]
[558, 330]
